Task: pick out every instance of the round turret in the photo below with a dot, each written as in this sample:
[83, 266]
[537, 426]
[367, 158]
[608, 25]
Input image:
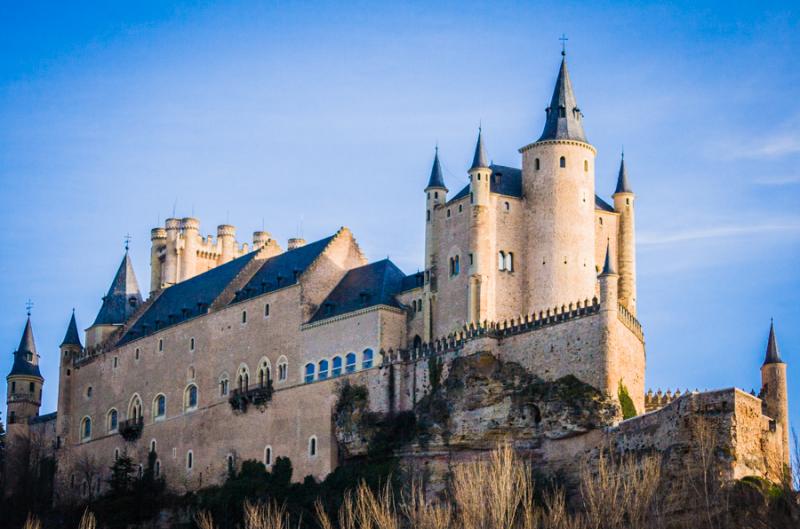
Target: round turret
[158, 234]
[190, 223]
[226, 238]
[296, 242]
[261, 238]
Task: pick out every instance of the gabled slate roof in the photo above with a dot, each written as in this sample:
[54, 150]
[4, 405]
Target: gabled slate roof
[564, 118]
[47, 417]
[505, 181]
[412, 281]
[282, 270]
[123, 297]
[72, 337]
[186, 299]
[27, 346]
[362, 287]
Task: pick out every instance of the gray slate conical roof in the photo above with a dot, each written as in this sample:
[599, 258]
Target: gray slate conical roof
[479, 160]
[564, 118]
[72, 337]
[773, 354]
[123, 296]
[608, 265]
[26, 359]
[436, 179]
[622, 179]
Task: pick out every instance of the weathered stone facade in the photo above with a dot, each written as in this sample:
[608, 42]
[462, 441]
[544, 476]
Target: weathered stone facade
[238, 352]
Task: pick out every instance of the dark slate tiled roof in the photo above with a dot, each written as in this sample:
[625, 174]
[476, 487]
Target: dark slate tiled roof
[505, 181]
[436, 179]
[568, 126]
[362, 287]
[186, 299]
[123, 297]
[412, 281]
[601, 204]
[622, 179]
[22, 366]
[479, 159]
[72, 337]
[773, 354]
[282, 270]
[47, 417]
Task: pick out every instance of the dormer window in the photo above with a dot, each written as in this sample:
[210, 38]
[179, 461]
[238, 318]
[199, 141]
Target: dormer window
[328, 308]
[562, 112]
[363, 298]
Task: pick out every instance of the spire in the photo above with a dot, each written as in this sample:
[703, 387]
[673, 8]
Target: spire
[436, 179]
[123, 296]
[479, 160]
[72, 337]
[26, 359]
[608, 266]
[773, 354]
[564, 118]
[622, 179]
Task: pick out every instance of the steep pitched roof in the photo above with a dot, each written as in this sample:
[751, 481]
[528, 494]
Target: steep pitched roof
[622, 179]
[564, 118]
[186, 299]
[26, 349]
[608, 265]
[773, 354]
[282, 270]
[72, 337]
[412, 281]
[602, 205]
[362, 287]
[436, 179]
[479, 160]
[123, 296]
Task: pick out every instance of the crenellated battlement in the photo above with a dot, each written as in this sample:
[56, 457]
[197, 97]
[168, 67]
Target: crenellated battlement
[659, 399]
[630, 321]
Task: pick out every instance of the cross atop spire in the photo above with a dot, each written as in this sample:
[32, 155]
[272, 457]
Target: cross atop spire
[28, 307]
[622, 178]
[127, 241]
[563, 38]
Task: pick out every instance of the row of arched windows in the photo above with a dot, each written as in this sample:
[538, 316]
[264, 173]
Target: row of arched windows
[331, 369]
[262, 378]
[135, 411]
[416, 305]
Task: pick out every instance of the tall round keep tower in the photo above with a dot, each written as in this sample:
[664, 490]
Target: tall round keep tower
[558, 184]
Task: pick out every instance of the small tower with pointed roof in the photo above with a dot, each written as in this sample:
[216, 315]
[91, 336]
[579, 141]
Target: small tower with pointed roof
[481, 248]
[119, 304]
[70, 349]
[558, 185]
[25, 381]
[435, 197]
[774, 391]
[626, 238]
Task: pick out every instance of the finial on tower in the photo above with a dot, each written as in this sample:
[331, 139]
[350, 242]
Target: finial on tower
[479, 160]
[28, 307]
[127, 241]
[622, 178]
[436, 179]
[563, 38]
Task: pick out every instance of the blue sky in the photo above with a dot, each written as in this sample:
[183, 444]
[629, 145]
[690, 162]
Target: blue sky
[304, 117]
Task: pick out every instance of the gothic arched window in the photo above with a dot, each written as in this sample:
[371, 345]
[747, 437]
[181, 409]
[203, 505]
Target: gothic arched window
[309, 373]
[86, 429]
[350, 363]
[562, 162]
[501, 260]
[113, 420]
[323, 370]
[366, 359]
[159, 407]
[337, 366]
[190, 398]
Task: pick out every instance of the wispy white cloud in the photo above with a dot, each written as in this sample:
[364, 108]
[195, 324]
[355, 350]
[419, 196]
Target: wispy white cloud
[718, 232]
[776, 146]
[781, 180]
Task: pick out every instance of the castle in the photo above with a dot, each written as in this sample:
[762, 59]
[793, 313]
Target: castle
[237, 351]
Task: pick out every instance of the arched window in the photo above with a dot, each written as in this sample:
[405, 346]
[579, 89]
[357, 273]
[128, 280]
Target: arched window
[537, 164]
[112, 420]
[268, 456]
[191, 344]
[309, 373]
[190, 398]
[244, 316]
[312, 446]
[86, 429]
[264, 373]
[562, 162]
[501, 261]
[350, 363]
[223, 385]
[586, 165]
[417, 344]
[266, 310]
[508, 206]
[458, 265]
[152, 445]
[448, 213]
[243, 378]
[323, 369]
[116, 454]
[161, 345]
[88, 391]
[135, 408]
[158, 468]
[337, 366]
[231, 463]
[510, 262]
[366, 359]
[159, 407]
[283, 368]
[189, 460]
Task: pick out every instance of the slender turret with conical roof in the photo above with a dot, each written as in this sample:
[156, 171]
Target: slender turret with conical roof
[624, 199]
[436, 180]
[481, 248]
[479, 160]
[24, 380]
[775, 391]
[71, 337]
